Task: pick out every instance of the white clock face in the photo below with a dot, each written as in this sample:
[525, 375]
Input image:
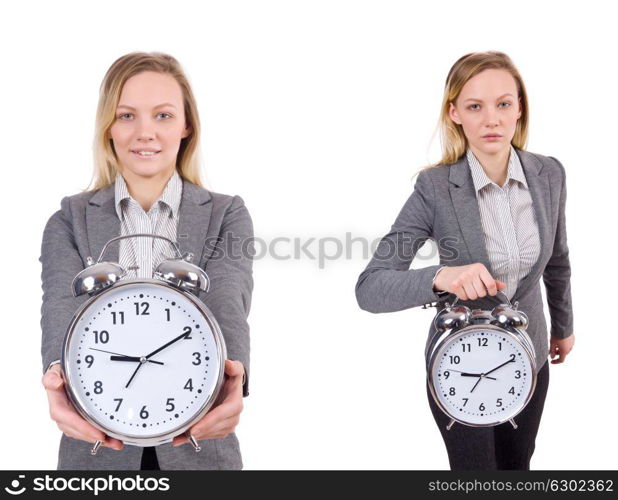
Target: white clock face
[482, 376]
[142, 360]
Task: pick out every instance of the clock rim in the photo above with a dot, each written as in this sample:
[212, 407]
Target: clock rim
[518, 336]
[162, 437]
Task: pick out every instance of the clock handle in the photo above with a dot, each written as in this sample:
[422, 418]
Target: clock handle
[508, 302]
[140, 235]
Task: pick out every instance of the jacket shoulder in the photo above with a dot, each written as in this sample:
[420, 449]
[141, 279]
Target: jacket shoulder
[552, 164]
[436, 176]
[225, 202]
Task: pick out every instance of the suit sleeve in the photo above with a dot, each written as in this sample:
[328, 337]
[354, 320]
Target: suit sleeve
[60, 261]
[231, 282]
[388, 284]
[557, 273]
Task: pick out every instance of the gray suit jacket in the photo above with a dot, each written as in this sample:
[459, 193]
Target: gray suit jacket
[443, 207]
[212, 226]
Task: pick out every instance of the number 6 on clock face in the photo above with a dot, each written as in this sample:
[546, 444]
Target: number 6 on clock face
[144, 361]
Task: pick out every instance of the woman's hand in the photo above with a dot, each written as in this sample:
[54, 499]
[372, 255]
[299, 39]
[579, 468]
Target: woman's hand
[560, 348]
[223, 418]
[68, 420]
[467, 282]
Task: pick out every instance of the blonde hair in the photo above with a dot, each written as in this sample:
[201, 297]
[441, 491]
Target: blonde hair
[105, 160]
[452, 137]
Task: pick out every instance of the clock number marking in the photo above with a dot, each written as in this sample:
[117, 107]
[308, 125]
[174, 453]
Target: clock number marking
[512, 390]
[482, 342]
[98, 387]
[466, 347]
[189, 385]
[167, 313]
[119, 403]
[455, 360]
[465, 400]
[499, 346]
[103, 336]
[120, 314]
[169, 406]
[187, 331]
[451, 391]
[482, 407]
[143, 413]
[197, 360]
[517, 374]
[144, 308]
[499, 402]
[512, 357]
[447, 374]
[89, 359]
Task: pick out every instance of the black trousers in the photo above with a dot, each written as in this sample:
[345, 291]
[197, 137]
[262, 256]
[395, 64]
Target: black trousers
[149, 459]
[495, 448]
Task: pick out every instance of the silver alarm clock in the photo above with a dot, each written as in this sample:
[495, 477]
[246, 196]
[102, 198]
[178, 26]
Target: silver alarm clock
[143, 359]
[481, 367]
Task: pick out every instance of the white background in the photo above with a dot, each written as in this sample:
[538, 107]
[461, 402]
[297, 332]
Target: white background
[318, 113]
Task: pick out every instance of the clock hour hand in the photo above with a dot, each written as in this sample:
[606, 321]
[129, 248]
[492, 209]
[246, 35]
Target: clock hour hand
[476, 375]
[133, 358]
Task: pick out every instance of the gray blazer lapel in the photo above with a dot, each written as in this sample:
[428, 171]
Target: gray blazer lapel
[194, 219]
[540, 192]
[466, 208]
[102, 224]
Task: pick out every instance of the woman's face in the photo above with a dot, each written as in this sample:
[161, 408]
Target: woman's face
[488, 109]
[149, 125]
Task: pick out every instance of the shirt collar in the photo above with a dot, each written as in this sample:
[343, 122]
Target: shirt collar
[170, 196]
[480, 179]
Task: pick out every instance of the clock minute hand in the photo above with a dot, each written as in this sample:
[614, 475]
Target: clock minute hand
[498, 367]
[166, 345]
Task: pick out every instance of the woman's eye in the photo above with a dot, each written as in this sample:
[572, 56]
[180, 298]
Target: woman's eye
[166, 114]
[505, 104]
[474, 107]
[122, 115]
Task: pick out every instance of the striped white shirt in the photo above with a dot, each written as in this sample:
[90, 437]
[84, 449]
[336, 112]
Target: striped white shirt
[140, 256]
[509, 223]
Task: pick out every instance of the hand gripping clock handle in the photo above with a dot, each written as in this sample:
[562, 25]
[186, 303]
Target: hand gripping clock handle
[499, 291]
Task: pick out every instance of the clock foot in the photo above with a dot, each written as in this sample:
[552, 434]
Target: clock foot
[513, 423]
[193, 441]
[96, 447]
[450, 424]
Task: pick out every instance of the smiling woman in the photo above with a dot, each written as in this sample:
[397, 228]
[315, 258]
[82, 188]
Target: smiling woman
[146, 180]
